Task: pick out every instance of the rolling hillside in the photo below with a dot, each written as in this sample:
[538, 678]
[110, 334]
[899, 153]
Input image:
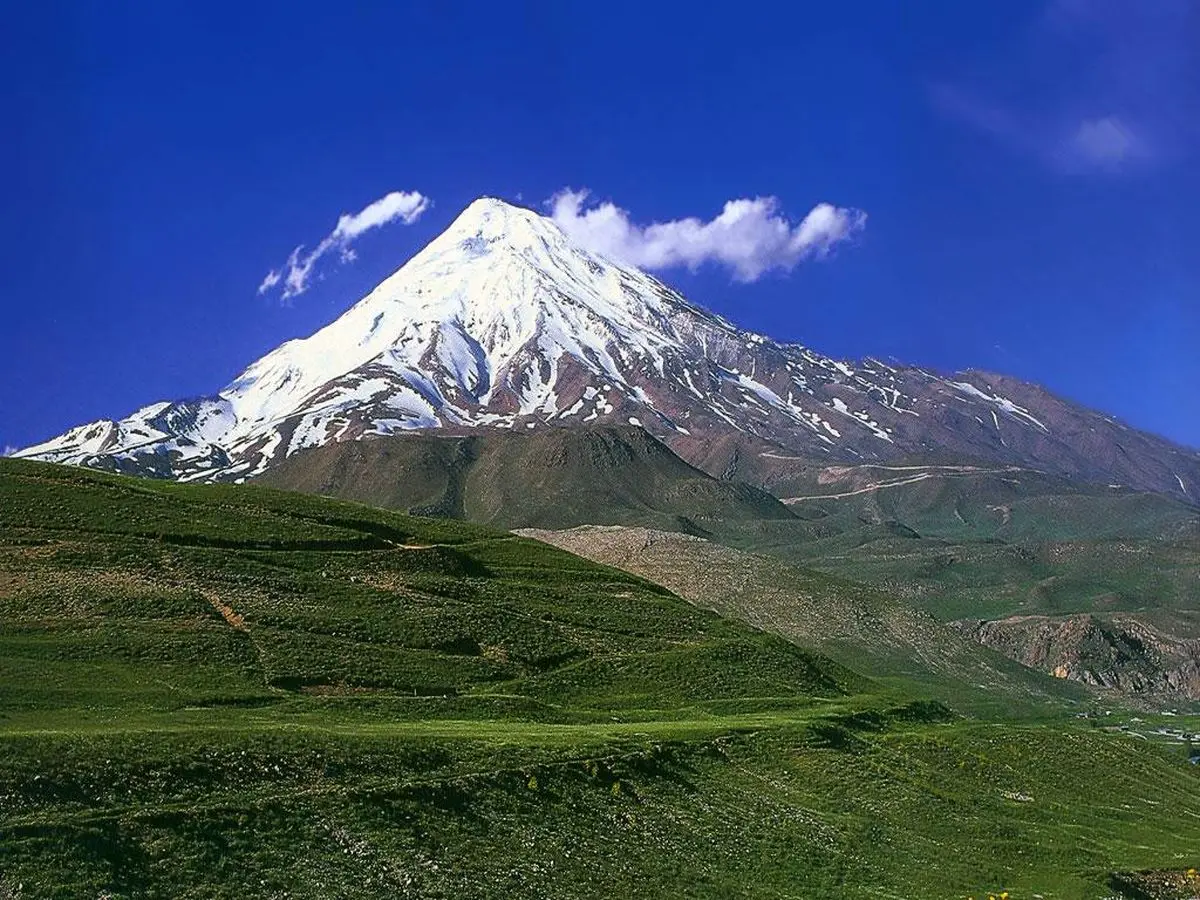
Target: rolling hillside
[237, 692]
[555, 478]
[862, 627]
[993, 550]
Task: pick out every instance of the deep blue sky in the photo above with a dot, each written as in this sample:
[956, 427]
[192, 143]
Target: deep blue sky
[1029, 170]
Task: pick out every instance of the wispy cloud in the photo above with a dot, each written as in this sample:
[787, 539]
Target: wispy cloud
[9, 450]
[269, 281]
[296, 273]
[1105, 143]
[749, 237]
[1091, 86]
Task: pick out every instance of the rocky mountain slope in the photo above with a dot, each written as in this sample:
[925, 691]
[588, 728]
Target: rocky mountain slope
[1130, 652]
[503, 322]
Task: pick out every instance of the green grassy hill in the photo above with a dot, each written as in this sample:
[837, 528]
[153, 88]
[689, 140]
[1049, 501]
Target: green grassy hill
[548, 478]
[237, 692]
[235, 591]
[962, 542]
[862, 627]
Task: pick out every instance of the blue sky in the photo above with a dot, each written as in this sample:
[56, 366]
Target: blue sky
[1027, 171]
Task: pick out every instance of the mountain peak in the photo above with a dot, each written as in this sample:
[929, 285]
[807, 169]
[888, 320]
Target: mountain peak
[490, 218]
[503, 321]
[495, 205]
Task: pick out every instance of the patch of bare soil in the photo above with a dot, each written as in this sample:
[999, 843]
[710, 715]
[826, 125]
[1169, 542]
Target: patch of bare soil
[227, 612]
[1158, 884]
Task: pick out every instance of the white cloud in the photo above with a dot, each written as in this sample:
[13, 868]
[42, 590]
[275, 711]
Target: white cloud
[1088, 87]
[269, 281]
[749, 237]
[1108, 144]
[9, 450]
[403, 206]
[1103, 143]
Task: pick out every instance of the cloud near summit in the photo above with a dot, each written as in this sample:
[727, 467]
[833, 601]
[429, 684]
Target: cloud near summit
[294, 275]
[748, 237]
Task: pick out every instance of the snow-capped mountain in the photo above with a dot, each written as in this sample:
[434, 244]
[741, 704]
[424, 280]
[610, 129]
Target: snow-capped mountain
[503, 322]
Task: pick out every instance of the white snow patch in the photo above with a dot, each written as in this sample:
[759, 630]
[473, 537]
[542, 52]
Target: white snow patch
[1003, 402]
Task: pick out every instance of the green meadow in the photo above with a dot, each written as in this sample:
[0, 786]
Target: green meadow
[230, 691]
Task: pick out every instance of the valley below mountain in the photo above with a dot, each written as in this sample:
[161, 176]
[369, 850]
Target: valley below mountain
[861, 627]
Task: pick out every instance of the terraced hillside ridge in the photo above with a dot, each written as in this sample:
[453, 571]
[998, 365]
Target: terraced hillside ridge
[229, 691]
[503, 323]
[554, 478]
[857, 625]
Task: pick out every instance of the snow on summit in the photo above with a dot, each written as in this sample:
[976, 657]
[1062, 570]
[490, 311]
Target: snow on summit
[502, 321]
